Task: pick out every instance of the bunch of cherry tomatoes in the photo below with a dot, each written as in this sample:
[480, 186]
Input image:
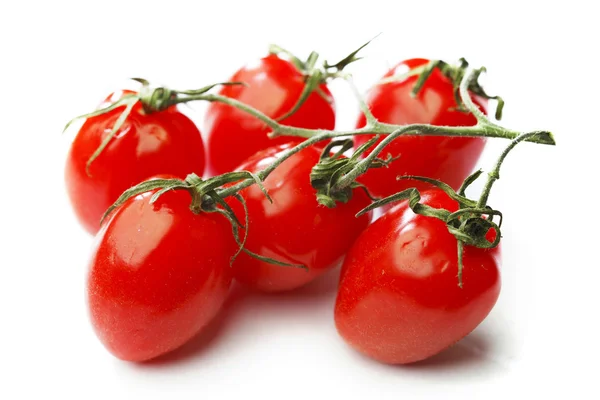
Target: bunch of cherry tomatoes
[160, 272]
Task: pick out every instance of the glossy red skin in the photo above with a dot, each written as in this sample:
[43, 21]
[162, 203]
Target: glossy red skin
[295, 228]
[165, 142]
[398, 300]
[274, 87]
[449, 159]
[158, 274]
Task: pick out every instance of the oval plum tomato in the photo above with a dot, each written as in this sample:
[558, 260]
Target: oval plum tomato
[449, 159]
[273, 87]
[294, 229]
[158, 274]
[399, 299]
[164, 142]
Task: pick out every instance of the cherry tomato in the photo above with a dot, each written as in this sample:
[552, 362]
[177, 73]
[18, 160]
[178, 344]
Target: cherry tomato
[449, 159]
[273, 87]
[294, 228]
[399, 300]
[158, 274]
[165, 142]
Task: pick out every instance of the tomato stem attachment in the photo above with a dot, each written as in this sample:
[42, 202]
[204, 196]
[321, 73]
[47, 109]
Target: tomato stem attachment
[315, 76]
[206, 198]
[152, 100]
[325, 173]
[456, 74]
[467, 224]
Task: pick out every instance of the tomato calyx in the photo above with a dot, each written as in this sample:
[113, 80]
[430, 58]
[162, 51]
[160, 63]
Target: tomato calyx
[206, 196]
[314, 75]
[152, 99]
[474, 220]
[455, 73]
[326, 174]
[128, 101]
[204, 193]
[470, 225]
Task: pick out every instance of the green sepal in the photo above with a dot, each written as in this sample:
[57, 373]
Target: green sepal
[312, 83]
[144, 187]
[118, 124]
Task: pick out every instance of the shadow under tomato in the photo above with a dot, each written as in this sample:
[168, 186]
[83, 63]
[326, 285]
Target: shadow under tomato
[474, 350]
[247, 311]
[315, 296]
[475, 357]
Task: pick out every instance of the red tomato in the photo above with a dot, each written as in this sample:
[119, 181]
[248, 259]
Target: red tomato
[165, 142]
[158, 274]
[449, 159]
[295, 228]
[274, 87]
[399, 299]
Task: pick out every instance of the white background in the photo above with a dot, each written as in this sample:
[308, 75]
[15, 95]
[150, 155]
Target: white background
[59, 59]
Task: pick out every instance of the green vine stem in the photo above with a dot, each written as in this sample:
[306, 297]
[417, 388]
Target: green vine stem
[494, 174]
[336, 176]
[467, 224]
[483, 128]
[314, 75]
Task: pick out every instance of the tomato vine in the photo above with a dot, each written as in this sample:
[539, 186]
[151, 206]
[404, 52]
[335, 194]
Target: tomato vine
[334, 176]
